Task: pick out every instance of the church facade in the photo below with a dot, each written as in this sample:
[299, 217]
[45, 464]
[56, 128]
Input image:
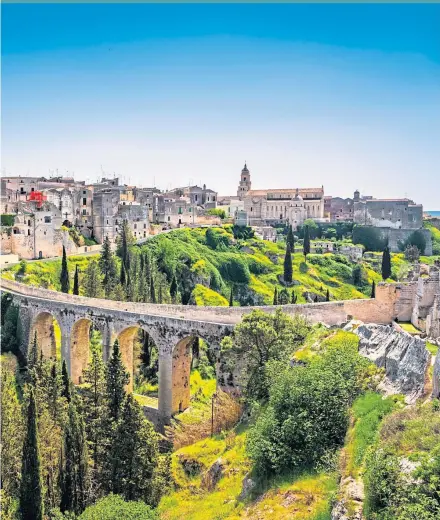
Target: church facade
[280, 206]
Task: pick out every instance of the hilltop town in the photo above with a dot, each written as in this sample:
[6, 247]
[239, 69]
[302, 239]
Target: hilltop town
[41, 215]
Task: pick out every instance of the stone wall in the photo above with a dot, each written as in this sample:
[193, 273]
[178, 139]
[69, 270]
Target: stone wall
[6, 242]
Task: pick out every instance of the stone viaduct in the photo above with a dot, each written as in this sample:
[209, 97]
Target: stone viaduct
[171, 327]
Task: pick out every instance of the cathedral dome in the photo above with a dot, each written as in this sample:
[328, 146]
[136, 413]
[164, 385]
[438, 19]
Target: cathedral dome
[297, 196]
[245, 169]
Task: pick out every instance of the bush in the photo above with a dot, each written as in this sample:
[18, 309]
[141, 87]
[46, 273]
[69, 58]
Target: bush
[417, 239]
[7, 220]
[304, 420]
[113, 507]
[217, 239]
[242, 232]
[235, 270]
[217, 212]
[371, 238]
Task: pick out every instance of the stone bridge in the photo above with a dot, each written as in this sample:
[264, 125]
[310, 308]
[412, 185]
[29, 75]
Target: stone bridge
[171, 327]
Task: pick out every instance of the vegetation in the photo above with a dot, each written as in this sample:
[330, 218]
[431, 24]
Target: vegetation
[7, 220]
[386, 264]
[64, 276]
[113, 507]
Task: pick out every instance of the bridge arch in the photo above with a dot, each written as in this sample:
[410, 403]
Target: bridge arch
[79, 348]
[46, 326]
[181, 371]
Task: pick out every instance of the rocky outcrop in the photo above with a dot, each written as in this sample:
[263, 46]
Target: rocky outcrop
[213, 475]
[404, 358]
[436, 376]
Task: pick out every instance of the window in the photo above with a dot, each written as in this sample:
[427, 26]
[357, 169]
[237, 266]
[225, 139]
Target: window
[32, 189]
[84, 211]
[145, 226]
[47, 220]
[84, 192]
[29, 222]
[135, 227]
[196, 198]
[84, 201]
[213, 198]
[244, 178]
[107, 221]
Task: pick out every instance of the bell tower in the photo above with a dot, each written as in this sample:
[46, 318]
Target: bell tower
[245, 183]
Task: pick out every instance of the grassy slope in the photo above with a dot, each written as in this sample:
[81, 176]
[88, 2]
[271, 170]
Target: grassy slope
[264, 260]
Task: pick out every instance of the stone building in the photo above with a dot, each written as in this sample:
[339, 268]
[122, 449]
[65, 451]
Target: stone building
[105, 208]
[338, 209]
[173, 211]
[280, 206]
[202, 197]
[137, 217]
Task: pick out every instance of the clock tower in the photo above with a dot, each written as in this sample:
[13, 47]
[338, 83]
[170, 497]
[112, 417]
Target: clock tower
[245, 183]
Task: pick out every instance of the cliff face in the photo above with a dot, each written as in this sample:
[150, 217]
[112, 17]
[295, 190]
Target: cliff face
[404, 358]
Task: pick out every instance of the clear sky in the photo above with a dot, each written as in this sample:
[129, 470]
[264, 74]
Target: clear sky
[345, 96]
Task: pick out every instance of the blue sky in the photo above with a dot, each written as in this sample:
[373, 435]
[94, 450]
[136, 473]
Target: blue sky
[347, 96]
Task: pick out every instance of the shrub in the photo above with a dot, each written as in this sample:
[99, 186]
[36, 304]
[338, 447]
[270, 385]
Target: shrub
[234, 270]
[113, 507]
[216, 238]
[217, 212]
[243, 232]
[371, 238]
[417, 239]
[7, 220]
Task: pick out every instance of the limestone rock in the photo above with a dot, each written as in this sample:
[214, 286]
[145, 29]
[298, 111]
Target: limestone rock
[404, 358]
[213, 475]
[190, 466]
[247, 487]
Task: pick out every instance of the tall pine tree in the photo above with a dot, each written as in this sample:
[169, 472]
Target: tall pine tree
[74, 473]
[31, 488]
[64, 276]
[67, 390]
[288, 266]
[293, 298]
[92, 280]
[95, 408]
[116, 380]
[76, 281]
[290, 240]
[327, 296]
[306, 245]
[135, 455]
[231, 298]
[152, 290]
[386, 264]
[373, 290]
[173, 289]
[275, 297]
[33, 353]
[107, 265]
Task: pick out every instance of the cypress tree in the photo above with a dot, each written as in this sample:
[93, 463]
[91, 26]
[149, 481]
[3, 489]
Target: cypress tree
[288, 266]
[66, 392]
[152, 290]
[306, 246]
[95, 410]
[373, 290]
[123, 276]
[76, 281]
[294, 298]
[31, 487]
[64, 276]
[327, 296]
[290, 241]
[386, 264]
[74, 473]
[173, 289]
[159, 294]
[275, 297]
[134, 455]
[33, 353]
[116, 380]
[231, 298]
[283, 297]
[92, 280]
[108, 267]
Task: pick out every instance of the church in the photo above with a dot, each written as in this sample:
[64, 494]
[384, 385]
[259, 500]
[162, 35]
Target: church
[280, 206]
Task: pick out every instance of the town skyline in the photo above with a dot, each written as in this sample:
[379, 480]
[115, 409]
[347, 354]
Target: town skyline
[149, 96]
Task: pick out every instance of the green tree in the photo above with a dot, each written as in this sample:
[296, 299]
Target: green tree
[92, 280]
[259, 339]
[67, 390]
[386, 263]
[12, 438]
[64, 276]
[107, 265]
[116, 380]
[124, 241]
[275, 297]
[231, 298]
[74, 473]
[290, 240]
[114, 507]
[31, 488]
[173, 289]
[134, 454]
[288, 265]
[123, 275]
[152, 290]
[95, 409]
[293, 298]
[373, 290]
[314, 230]
[34, 352]
[76, 281]
[306, 244]
[283, 297]
[327, 296]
